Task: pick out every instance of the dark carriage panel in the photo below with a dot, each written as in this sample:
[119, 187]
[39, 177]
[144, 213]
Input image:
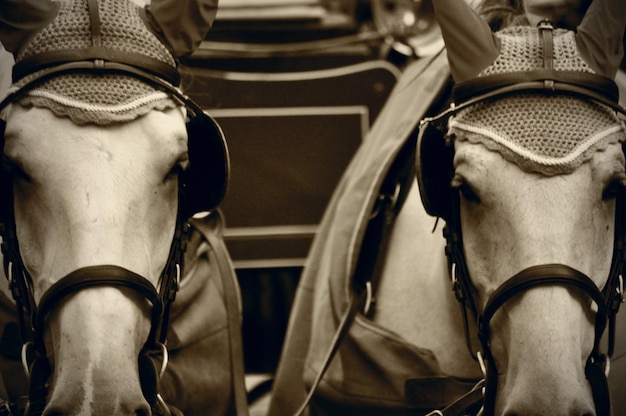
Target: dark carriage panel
[286, 165]
[291, 136]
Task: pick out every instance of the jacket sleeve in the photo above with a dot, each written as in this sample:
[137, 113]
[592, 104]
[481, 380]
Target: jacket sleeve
[181, 24]
[20, 20]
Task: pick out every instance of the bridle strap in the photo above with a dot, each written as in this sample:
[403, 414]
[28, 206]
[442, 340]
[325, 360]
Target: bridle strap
[541, 275]
[546, 29]
[96, 26]
[97, 276]
[99, 57]
[102, 67]
[546, 79]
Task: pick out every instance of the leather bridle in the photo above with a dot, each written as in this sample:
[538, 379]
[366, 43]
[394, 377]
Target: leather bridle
[442, 200]
[32, 316]
[608, 301]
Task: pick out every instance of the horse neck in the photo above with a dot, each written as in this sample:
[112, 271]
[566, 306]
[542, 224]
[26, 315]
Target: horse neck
[415, 299]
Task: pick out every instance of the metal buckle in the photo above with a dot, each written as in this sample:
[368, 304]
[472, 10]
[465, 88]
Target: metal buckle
[369, 298]
[607, 365]
[25, 365]
[162, 405]
[545, 25]
[481, 361]
[165, 359]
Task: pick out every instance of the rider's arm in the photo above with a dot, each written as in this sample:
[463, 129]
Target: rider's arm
[181, 24]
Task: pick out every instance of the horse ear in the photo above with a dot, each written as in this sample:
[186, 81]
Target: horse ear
[22, 20]
[182, 25]
[600, 36]
[471, 45]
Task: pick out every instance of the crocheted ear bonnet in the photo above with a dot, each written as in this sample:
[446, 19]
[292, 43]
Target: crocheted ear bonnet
[86, 97]
[545, 132]
[548, 134]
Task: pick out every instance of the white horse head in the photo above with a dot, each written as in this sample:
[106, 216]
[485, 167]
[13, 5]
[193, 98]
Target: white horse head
[100, 177]
[538, 162]
[86, 196]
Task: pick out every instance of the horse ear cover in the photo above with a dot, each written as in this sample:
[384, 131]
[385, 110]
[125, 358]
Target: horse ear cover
[434, 169]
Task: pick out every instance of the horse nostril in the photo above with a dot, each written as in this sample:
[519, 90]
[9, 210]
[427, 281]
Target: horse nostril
[143, 412]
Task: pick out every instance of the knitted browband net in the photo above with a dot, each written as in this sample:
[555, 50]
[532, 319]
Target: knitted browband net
[86, 97]
[547, 134]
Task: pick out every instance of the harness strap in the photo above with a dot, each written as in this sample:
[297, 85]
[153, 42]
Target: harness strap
[342, 330]
[371, 259]
[464, 405]
[393, 192]
[231, 301]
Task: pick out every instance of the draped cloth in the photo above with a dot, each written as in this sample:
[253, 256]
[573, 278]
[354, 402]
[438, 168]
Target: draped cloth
[370, 372]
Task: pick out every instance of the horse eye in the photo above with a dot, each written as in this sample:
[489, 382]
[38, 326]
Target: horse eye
[466, 190]
[14, 170]
[178, 167]
[468, 193]
[611, 191]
